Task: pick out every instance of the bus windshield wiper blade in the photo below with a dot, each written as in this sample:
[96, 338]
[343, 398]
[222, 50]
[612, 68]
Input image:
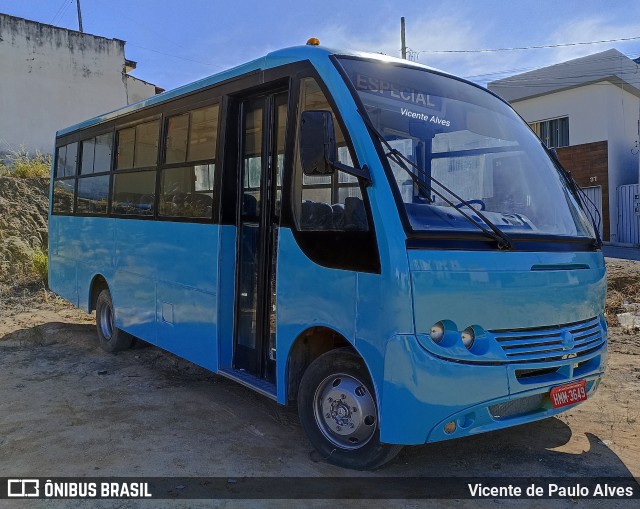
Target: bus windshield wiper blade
[580, 195]
[503, 240]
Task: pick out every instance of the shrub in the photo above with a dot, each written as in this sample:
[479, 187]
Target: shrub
[25, 165]
[40, 264]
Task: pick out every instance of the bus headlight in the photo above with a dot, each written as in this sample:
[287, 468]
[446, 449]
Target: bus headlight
[468, 337]
[437, 332]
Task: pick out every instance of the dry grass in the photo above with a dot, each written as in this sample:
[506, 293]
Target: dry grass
[21, 163]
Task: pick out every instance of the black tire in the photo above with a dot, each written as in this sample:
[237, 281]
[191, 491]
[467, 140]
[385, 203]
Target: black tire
[111, 338]
[334, 393]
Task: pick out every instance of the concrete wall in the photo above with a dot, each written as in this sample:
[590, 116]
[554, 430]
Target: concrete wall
[52, 77]
[137, 89]
[597, 112]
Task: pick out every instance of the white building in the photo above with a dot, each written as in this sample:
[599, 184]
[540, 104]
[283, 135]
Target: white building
[53, 77]
[590, 106]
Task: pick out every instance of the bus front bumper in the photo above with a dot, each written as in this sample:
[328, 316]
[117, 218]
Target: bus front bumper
[428, 399]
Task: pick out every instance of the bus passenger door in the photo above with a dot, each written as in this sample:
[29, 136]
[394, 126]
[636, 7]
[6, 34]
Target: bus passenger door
[262, 125]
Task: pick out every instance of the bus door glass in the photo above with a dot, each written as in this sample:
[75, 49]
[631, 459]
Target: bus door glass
[263, 122]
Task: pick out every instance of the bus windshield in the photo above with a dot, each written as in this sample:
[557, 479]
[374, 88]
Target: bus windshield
[474, 144]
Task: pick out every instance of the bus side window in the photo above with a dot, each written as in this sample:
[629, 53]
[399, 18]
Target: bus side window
[188, 171]
[333, 202]
[64, 184]
[135, 175]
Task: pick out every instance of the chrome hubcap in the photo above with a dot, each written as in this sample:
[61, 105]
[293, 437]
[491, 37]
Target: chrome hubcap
[345, 411]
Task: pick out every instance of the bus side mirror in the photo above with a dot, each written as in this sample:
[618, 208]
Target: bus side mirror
[318, 151]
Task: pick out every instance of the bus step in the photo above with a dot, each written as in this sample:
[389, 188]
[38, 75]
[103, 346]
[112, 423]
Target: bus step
[253, 382]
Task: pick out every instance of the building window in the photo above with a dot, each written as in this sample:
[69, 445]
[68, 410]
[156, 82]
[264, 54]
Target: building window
[554, 133]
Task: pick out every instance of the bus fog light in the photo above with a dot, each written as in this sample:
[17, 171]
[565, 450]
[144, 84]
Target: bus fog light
[450, 427]
[437, 332]
[468, 336]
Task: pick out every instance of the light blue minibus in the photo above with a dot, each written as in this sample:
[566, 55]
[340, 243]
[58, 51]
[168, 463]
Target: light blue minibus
[385, 244]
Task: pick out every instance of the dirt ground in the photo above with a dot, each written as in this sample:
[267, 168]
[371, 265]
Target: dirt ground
[69, 409]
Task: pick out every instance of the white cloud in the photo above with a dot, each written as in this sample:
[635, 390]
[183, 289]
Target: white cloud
[444, 31]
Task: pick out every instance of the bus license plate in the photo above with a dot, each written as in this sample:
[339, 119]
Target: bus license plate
[569, 394]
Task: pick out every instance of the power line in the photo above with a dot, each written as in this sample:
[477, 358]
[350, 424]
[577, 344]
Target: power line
[522, 48]
[159, 35]
[525, 70]
[175, 56]
[60, 12]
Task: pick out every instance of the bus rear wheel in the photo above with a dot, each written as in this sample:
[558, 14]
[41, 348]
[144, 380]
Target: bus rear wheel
[111, 338]
[338, 412]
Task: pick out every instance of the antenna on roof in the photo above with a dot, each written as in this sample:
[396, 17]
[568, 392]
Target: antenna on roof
[402, 38]
[79, 17]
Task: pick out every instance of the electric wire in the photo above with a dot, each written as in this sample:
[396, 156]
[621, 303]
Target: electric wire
[525, 48]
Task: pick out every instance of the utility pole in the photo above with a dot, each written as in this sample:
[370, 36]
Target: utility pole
[80, 17]
[402, 38]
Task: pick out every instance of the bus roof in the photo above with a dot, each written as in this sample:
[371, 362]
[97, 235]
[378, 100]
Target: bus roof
[273, 59]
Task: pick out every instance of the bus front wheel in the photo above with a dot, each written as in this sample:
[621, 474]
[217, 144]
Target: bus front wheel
[110, 337]
[339, 414]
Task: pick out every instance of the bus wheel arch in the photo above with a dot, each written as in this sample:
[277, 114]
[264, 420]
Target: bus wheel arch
[307, 347]
[98, 283]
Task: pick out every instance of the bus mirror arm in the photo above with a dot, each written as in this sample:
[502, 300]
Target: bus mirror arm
[318, 150]
[362, 173]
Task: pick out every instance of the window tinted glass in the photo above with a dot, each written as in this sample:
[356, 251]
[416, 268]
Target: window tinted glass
[134, 193]
[202, 138]
[146, 150]
[96, 155]
[332, 202]
[138, 146]
[66, 160]
[187, 191]
[177, 137]
[63, 194]
[93, 195]
[88, 152]
[102, 158]
[252, 160]
[126, 144]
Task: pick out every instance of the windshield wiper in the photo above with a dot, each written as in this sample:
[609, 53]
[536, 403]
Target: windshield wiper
[580, 195]
[503, 240]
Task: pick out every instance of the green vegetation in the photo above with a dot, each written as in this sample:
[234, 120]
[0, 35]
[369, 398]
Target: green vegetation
[40, 265]
[21, 163]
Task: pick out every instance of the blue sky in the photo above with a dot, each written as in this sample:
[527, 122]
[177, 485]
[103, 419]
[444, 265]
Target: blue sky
[180, 41]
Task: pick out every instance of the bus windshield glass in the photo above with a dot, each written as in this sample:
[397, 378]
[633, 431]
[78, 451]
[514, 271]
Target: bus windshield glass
[474, 144]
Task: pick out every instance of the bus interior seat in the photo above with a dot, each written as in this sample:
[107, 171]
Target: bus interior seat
[201, 203]
[355, 217]
[249, 205]
[316, 216]
[338, 216]
[146, 202]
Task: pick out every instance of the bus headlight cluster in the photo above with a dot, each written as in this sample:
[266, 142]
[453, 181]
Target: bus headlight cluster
[437, 332]
[445, 333]
[468, 337]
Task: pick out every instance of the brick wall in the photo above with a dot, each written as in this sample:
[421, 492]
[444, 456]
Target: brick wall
[589, 165]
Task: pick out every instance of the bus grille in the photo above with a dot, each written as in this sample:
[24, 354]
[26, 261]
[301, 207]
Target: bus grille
[551, 343]
[517, 407]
